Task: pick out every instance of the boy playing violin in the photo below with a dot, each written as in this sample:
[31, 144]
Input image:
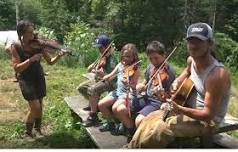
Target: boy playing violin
[155, 86]
[92, 89]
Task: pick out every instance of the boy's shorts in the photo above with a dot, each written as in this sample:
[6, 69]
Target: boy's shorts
[144, 105]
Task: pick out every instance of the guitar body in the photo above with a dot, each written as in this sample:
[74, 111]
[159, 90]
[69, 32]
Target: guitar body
[184, 92]
[181, 95]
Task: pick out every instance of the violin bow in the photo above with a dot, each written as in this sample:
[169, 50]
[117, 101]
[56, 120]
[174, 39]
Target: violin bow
[160, 67]
[127, 102]
[113, 76]
[101, 56]
[170, 108]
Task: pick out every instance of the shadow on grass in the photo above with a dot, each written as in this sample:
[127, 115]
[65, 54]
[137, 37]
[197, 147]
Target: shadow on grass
[69, 139]
[65, 140]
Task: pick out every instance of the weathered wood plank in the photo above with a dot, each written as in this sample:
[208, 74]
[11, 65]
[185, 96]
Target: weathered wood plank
[106, 140]
[230, 123]
[225, 140]
[101, 139]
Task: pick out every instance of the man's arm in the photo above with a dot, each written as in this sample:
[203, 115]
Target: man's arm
[216, 85]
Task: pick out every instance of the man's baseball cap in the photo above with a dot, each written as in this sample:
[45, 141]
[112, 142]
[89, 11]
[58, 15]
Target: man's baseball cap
[201, 31]
[102, 41]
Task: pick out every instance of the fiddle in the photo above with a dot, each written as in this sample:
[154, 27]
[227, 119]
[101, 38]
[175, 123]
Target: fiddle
[102, 63]
[161, 66]
[101, 60]
[162, 76]
[40, 44]
[157, 81]
[128, 72]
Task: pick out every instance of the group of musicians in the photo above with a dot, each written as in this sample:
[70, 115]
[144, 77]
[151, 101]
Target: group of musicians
[152, 113]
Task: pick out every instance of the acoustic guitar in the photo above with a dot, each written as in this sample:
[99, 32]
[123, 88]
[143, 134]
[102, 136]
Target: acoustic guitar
[181, 96]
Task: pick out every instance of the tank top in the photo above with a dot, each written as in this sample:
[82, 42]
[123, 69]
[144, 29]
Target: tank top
[121, 88]
[34, 71]
[197, 101]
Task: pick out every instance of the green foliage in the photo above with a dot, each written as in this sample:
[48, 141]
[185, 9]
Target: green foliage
[7, 15]
[63, 130]
[81, 39]
[227, 18]
[56, 16]
[226, 50]
[30, 10]
[140, 22]
[3, 54]
[180, 55]
[46, 32]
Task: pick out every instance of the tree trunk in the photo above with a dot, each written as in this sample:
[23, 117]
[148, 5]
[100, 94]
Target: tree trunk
[17, 11]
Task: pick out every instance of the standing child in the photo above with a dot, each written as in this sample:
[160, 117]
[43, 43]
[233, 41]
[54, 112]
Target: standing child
[127, 76]
[155, 88]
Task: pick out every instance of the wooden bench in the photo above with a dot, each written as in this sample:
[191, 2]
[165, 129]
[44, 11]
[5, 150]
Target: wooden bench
[101, 139]
[106, 140]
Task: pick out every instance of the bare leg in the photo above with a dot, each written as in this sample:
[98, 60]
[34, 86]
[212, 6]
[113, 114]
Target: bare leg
[35, 111]
[138, 120]
[38, 120]
[103, 105]
[123, 116]
[93, 101]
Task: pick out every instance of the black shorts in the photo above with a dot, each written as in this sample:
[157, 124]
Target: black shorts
[32, 90]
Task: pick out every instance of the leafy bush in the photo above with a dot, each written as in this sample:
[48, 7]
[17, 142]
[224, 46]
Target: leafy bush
[46, 32]
[180, 54]
[226, 50]
[81, 40]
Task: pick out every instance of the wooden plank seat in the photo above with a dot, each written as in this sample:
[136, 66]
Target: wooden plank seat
[101, 139]
[106, 140]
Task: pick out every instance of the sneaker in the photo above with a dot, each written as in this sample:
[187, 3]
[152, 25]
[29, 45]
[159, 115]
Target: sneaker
[88, 108]
[118, 130]
[108, 126]
[92, 120]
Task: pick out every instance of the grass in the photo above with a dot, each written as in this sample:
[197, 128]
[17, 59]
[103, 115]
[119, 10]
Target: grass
[64, 131]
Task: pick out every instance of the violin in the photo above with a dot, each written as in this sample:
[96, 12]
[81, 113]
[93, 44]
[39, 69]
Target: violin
[101, 60]
[157, 81]
[128, 72]
[102, 63]
[40, 44]
[163, 75]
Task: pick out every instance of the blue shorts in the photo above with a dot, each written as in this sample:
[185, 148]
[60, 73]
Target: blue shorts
[144, 105]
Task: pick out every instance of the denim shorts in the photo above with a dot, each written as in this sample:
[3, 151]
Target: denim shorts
[144, 105]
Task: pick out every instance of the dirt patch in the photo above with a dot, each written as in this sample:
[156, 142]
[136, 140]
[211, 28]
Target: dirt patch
[12, 104]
